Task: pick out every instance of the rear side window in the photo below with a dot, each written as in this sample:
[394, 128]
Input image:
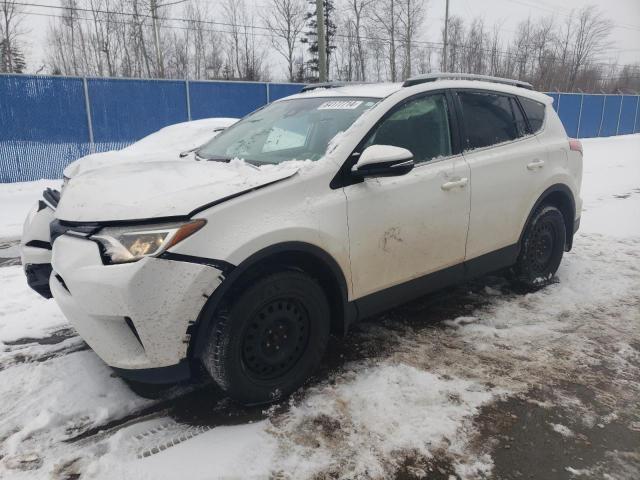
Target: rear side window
[535, 113]
[489, 119]
[521, 123]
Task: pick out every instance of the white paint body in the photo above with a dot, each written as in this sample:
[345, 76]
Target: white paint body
[381, 232]
[165, 145]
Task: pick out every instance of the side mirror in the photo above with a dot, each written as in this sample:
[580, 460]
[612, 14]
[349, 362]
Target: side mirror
[383, 161]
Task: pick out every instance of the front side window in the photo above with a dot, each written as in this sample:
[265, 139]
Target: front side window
[296, 129]
[535, 113]
[489, 119]
[421, 126]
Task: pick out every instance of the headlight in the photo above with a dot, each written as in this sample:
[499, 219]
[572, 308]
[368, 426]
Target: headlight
[131, 243]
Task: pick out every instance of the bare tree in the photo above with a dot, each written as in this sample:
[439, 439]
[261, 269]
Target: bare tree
[387, 14]
[369, 39]
[411, 17]
[242, 53]
[11, 55]
[590, 37]
[455, 48]
[358, 11]
[286, 20]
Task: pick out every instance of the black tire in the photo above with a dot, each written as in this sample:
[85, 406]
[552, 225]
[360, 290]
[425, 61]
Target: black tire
[271, 338]
[542, 247]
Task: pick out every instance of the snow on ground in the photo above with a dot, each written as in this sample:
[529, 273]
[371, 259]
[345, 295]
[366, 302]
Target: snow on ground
[16, 200]
[411, 393]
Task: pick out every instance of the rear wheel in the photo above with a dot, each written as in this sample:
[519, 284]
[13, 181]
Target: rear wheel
[270, 339]
[542, 247]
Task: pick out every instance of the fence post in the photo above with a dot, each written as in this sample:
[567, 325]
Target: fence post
[604, 105]
[186, 86]
[87, 106]
[619, 114]
[268, 93]
[580, 115]
[635, 119]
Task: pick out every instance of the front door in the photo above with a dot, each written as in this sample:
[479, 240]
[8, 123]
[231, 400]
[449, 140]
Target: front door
[404, 227]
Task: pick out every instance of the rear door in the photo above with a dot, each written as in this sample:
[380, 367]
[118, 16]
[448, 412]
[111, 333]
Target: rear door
[506, 165]
[404, 227]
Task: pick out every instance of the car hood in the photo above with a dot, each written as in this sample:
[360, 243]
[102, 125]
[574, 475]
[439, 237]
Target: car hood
[164, 145]
[161, 189]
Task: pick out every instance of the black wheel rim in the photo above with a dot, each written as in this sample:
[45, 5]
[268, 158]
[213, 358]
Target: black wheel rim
[541, 247]
[275, 339]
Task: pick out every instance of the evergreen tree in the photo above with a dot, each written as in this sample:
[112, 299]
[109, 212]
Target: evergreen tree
[11, 58]
[311, 37]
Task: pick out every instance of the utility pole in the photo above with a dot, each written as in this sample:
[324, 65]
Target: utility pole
[446, 37]
[322, 44]
[156, 37]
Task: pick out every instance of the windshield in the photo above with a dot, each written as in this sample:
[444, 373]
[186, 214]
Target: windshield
[298, 129]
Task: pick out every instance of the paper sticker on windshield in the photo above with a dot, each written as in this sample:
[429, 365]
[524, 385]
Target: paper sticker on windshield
[340, 105]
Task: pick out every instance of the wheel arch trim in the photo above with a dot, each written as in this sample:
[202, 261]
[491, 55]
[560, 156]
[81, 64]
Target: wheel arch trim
[202, 326]
[564, 191]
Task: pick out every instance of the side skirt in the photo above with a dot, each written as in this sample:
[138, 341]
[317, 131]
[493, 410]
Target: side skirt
[398, 294]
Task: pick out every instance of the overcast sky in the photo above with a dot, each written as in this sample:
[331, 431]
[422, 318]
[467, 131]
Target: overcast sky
[625, 15]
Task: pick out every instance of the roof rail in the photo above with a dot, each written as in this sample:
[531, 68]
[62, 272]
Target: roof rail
[432, 77]
[315, 86]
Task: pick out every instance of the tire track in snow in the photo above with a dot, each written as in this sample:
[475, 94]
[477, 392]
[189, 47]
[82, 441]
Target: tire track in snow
[31, 350]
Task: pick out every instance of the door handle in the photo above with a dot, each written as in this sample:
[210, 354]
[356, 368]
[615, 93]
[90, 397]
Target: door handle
[535, 165]
[460, 183]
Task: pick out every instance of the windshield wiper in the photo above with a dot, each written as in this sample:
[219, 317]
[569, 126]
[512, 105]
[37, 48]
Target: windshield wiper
[220, 158]
[213, 158]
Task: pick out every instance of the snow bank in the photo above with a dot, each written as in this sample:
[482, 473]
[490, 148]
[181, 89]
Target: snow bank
[611, 185]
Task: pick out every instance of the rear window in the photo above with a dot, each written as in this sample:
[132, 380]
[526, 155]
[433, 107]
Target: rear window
[535, 113]
[489, 119]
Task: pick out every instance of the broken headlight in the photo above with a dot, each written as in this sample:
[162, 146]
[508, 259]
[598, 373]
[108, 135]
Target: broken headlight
[131, 243]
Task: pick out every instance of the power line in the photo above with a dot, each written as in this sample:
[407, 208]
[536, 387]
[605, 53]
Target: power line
[263, 28]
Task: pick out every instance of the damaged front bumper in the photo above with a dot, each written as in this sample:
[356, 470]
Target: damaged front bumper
[35, 244]
[135, 316]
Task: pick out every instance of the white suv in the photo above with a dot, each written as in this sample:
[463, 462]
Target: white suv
[311, 213]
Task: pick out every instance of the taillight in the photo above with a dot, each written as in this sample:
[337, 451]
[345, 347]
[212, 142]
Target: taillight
[575, 145]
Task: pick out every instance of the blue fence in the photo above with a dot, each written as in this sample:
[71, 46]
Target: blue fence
[47, 122]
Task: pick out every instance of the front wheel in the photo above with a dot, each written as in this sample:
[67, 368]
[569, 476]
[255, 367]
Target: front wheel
[542, 247]
[270, 339]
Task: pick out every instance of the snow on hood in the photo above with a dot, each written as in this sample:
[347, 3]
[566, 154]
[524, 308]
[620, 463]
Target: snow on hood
[164, 145]
[169, 188]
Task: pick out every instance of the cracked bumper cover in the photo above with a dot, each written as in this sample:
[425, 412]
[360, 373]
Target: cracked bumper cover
[135, 316]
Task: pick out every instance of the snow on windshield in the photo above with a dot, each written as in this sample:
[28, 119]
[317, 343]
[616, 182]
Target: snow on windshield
[292, 129]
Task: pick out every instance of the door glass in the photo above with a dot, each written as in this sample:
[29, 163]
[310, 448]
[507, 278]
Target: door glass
[488, 119]
[421, 126]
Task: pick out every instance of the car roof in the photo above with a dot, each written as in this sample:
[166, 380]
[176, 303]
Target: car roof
[372, 90]
[382, 90]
